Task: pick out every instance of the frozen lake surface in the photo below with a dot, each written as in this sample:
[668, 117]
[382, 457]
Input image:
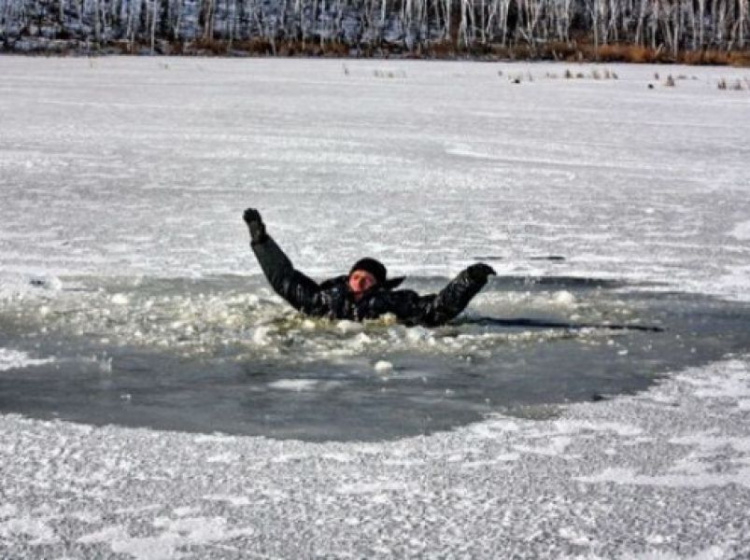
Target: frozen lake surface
[127, 287]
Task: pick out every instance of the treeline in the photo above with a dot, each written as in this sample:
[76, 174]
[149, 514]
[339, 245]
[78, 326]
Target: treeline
[430, 27]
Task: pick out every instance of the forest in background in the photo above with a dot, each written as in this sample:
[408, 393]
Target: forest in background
[692, 31]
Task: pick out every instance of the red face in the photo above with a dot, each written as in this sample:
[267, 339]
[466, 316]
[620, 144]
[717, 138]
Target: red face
[360, 281]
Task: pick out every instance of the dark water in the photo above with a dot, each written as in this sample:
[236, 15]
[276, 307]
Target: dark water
[184, 355]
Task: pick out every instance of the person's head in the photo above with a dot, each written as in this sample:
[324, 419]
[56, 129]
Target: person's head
[365, 275]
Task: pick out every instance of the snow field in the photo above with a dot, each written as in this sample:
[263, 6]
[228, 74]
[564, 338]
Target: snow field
[656, 475]
[140, 168]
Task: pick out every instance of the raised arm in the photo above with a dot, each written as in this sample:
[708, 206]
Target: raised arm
[296, 288]
[438, 309]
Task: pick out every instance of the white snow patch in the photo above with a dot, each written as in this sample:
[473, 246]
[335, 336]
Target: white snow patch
[507, 457]
[185, 511]
[556, 446]
[105, 535]
[214, 438]
[235, 501]
[137, 509]
[741, 231]
[370, 488]
[179, 532]
[162, 547]
[711, 553]
[735, 281]
[677, 480]
[7, 510]
[577, 426]
[120, 299]
[287, 458]
[709, 441]
[32, 527]
[86, 516]
[228, 457]
[731, 381]
[493, 428]
[574, 537]
[294, 384]
[338, 457]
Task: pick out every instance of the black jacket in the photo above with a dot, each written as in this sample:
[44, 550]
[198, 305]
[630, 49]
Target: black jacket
[334, 300]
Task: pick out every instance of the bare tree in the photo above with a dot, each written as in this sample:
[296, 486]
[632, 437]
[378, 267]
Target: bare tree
[664, 25]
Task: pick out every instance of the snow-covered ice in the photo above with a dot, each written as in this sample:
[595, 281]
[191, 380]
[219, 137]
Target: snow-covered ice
[136, 171]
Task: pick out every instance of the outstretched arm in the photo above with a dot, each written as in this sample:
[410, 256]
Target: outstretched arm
[296, 288]
[438, 309]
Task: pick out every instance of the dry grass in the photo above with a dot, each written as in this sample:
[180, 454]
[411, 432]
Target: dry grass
[740, 59]
[389, 74]
[736, 85]
[259, 46]
[714, 57]
[596, 74]
[580, 49]
[626, 53]
[441, 49]
[705, 58]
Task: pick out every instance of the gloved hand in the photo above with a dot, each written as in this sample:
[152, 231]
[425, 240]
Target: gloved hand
[255, 225]
[480, 271]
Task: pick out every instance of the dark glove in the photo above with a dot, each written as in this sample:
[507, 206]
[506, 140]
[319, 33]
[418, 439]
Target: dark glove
[479, 272]
[255, 225]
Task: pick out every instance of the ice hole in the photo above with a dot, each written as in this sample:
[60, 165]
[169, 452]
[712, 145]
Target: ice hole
[223, 354]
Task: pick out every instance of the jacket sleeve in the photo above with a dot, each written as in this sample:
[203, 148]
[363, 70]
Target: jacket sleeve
[438, 309]
[296, 288]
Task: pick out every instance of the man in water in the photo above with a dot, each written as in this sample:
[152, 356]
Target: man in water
[364, 293]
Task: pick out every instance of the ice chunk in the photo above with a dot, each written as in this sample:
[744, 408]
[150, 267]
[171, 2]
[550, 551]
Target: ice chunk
[362, 339]
[347, 327]
[418, 334]
[564, 298]
[120, 299]
[382, 366]
[260, 335]
[294, 384]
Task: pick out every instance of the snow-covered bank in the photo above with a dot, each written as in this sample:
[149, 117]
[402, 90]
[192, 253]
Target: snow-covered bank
[661, 475]
[141, 168]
